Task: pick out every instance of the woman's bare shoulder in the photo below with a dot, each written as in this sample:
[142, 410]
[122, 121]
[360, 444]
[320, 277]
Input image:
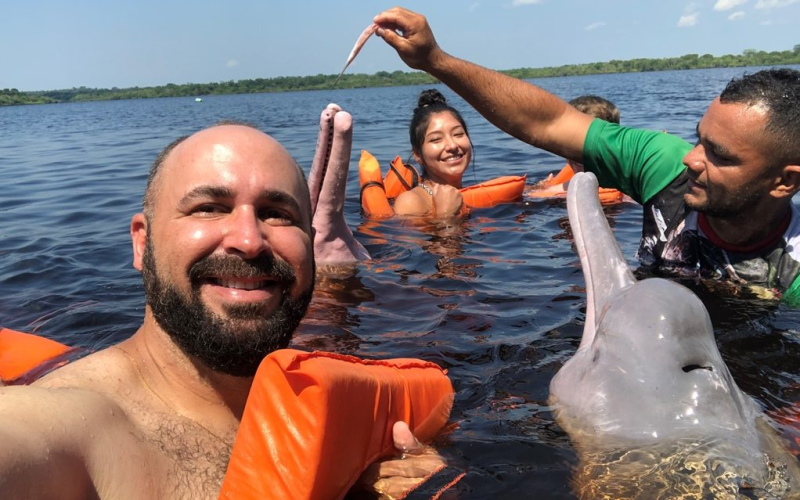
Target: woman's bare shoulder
[414, 202]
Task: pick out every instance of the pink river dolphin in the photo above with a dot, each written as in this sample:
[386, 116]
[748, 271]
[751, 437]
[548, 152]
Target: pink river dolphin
[647, 400]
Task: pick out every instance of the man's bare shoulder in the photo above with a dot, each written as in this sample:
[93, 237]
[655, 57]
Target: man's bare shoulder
[105, 372]
[68, 404]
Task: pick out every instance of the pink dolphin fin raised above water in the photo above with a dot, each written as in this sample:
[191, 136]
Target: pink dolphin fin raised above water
[368, 32]
[647, 399]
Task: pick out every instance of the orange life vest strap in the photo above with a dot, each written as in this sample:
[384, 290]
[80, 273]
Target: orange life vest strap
[315, 421]
[400, 178]
[22, 352]
[374, 201]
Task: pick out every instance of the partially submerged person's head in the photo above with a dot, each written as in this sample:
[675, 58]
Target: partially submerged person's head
[225, 246]
[747, 156]
[439, 139]
[596, 106]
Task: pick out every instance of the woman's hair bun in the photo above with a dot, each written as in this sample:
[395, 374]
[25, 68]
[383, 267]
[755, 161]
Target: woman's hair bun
[430, 97]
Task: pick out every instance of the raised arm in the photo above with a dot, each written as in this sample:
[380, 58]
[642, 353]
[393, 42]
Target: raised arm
[521, 109]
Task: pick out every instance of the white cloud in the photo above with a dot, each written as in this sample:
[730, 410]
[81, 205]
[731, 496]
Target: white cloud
[689, 17]
[517, 3]
[473, 7]
[774, 4]
[723, 5]
[595, 25]
[736, 15]
[232, 63]
[687, 20]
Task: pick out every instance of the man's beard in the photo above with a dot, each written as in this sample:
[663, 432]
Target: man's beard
[737, 203]
[236, 345]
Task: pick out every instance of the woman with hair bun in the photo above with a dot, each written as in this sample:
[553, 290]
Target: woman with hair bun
[440, 145]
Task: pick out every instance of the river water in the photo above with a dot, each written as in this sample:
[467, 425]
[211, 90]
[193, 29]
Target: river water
[497, 299]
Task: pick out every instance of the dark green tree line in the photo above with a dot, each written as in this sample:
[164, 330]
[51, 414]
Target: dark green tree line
[750, 57]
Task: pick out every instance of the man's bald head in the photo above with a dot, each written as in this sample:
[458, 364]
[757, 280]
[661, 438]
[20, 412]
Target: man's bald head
[154, 177]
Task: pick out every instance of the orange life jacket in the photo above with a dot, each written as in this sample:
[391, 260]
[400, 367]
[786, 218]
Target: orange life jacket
[376, 192]
[22, 352]
[608, 196]
[314, 421]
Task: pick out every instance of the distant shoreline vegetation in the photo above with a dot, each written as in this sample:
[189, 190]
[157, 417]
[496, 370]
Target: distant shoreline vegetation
[11, 97]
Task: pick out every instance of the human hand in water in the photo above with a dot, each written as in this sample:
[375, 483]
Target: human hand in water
[414, 462]
[447, 200]
[414, 43]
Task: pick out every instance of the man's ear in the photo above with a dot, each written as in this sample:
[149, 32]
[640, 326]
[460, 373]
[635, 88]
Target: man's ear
[789, 182]
[138, 239]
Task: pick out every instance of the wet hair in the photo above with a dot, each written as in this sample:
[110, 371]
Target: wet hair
[152, 186]
[597, 107]
[430, 102]
[777, 90]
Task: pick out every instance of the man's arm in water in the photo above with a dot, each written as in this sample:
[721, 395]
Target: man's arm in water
[521, 109]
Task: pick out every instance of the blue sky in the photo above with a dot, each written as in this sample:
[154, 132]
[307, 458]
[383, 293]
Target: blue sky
[50, 44]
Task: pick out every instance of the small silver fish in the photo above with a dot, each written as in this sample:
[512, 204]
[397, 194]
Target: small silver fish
[357, 48]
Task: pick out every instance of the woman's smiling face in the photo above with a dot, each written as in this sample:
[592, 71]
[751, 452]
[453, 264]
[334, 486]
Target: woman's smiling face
[446, 150]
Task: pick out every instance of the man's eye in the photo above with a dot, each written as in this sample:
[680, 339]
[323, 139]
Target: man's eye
[276, 214]
[207, 208]
[719, 159]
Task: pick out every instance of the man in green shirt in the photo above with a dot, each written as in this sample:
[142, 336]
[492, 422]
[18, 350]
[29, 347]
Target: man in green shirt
[721, 208]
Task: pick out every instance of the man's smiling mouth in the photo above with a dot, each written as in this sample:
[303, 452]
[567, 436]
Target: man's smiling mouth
[241, 285]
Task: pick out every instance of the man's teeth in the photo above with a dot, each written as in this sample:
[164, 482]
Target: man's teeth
[242, 285]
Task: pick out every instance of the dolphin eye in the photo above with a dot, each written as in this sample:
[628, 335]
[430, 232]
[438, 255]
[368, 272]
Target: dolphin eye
[691, 368]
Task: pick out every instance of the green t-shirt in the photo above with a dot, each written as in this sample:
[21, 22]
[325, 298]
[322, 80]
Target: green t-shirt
[640, 163]
[648, 166]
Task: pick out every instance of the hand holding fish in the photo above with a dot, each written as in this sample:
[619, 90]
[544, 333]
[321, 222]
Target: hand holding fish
[368, 31]
[414, 43]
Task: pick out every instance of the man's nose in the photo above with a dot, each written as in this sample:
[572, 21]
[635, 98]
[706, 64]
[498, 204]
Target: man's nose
[245, 234]
[695, 159]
